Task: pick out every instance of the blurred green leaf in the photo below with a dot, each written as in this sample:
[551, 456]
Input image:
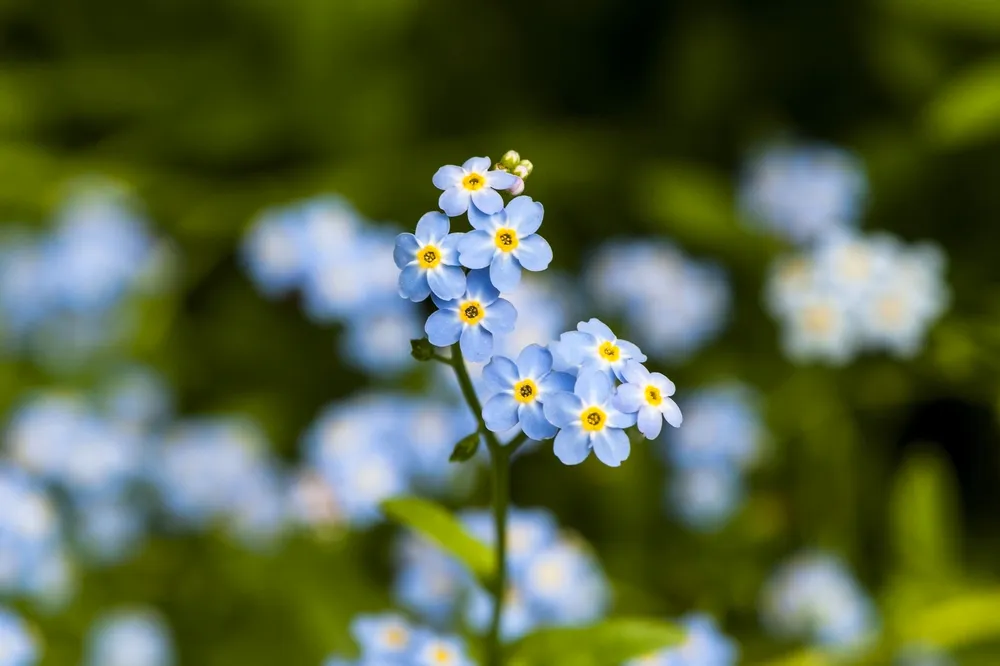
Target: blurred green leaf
[968, 109]
[979, 16]
[435, 523]
[965, 620]
[610, 642]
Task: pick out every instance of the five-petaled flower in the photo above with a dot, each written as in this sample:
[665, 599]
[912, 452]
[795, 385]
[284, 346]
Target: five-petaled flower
[521, 390]
[647, 394]
[429, 260]
[587, 419]
[594, 347]
[472, 320]
[473, 181]
[506, 242]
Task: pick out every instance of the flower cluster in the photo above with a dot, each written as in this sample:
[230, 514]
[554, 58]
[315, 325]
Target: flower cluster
[851, 293]
[814, 597]
[720, 440]
[704, 645]
[132, 637]
[18, 647]
[389, 639]
[552, 578]
[629, 280]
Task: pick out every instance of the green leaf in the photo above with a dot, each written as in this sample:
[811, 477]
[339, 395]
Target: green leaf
[611, 642]
[976, 16]
[434, 522]
[466, 448]
[967, 109]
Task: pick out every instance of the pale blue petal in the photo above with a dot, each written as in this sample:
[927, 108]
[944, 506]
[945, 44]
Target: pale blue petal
[631, 350]
[477, 344]
[619, 419]
[501, 373]
[500, 180]
[442, 304]
[454, 201]
[480, 220]
[443, 328]
[480, 288]
[505, 272]
[501, 317]
[534, 253]
[555, 382]
[594, 387]
[500, 412]
[650, 422]
[476, 249]
[635, 373]
[672, 412]
[611, 446]
[533, 421]
[563, 409]
[525, 215]
[447, 282]
[449, 248]
[534, 361]
[487, 200]
[596, 328]
[573, 346]
[432, 227]
[572, 446]
[405, 250]
[477, 164]
[629, 398]
[413, 283]
[660, 381]
[448, 176]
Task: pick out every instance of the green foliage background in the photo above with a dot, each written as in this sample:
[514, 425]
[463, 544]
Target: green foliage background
[636, 115]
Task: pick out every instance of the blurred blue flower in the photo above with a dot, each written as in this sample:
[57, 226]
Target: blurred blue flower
[506, 242]
[136, 397]
[472, 183]
[108, 530]
[388, 639]
[593, 347]
[428, 260]
[587, 420]
[472, 320]
[379, 343]
[434, 650]
[521, 389]
[722, 428]
[704, 498]
[132, 637]
[18, 647]
[428, 582]
[923, 655]
[647, 395]
[703, 645]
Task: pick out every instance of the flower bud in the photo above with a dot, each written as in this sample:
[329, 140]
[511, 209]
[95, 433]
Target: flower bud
[421, 349]
[465, 449]
[517, 188]
[510, 159]
[523, 169]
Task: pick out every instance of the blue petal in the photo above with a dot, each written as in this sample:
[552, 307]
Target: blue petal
[596, 328]
[447, 282]
[572, 446]
[443, 328]
[555, 382]
[476, 249]
[534, 361]
[630, 350]
[448, 176]
[487, 200]
[413, 283]
[501, 317]
[672, 413]
[477, 344]
[500, 180]
[432, 227]
[629, 398]
[454, 201]
[571, 349]
[618, 418]
[449, 248]
[635, 373]
[480, 220]
[501, 373]
[500, 412]
[442, 304]
[611, 446]
[480, 288]
[563, 409]
[405, 250]
[533, 421]
[534, 253]
[593, 387]
[477, 164]
[650, 422]
[525, 215]
[505, 272]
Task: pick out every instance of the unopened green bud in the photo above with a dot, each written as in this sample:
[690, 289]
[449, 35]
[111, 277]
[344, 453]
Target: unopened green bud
[465, 449]
[523, 169]
[421, 349]
[510, 159]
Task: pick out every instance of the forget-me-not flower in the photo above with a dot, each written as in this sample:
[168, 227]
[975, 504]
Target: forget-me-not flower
[704, 645]
[647, 394]
[17, 645]
[472, 182]
[593, 346]
[440, 651]
[521, 390]
[473, 319]
[429, 260]
[130, 638]
[386, 636]
[587, 420]
[506, 242]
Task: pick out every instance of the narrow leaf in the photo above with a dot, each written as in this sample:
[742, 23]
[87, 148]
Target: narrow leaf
[611, 642]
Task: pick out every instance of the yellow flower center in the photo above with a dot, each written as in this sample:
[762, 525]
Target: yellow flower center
[506, 239]
[396, 637]
[525, 391]
[890, 310]
[428, 256]
[609, 352]
[817, 319]
[592, 419]
[474, 181]
[653, 395]
[442, 655]
[471, 312]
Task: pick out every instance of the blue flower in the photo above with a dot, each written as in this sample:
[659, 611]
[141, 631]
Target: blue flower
[587, 420]
[593, 347]
[472, 320]
[440, 651]
[429, 260]
[130, 638]
[19, 646]
[722, 428]
[521, 392]
[472, 182]
[704, 498]
[429, 582]
[385, 636]
[704, 645]
[506, 242]
[648, 394]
